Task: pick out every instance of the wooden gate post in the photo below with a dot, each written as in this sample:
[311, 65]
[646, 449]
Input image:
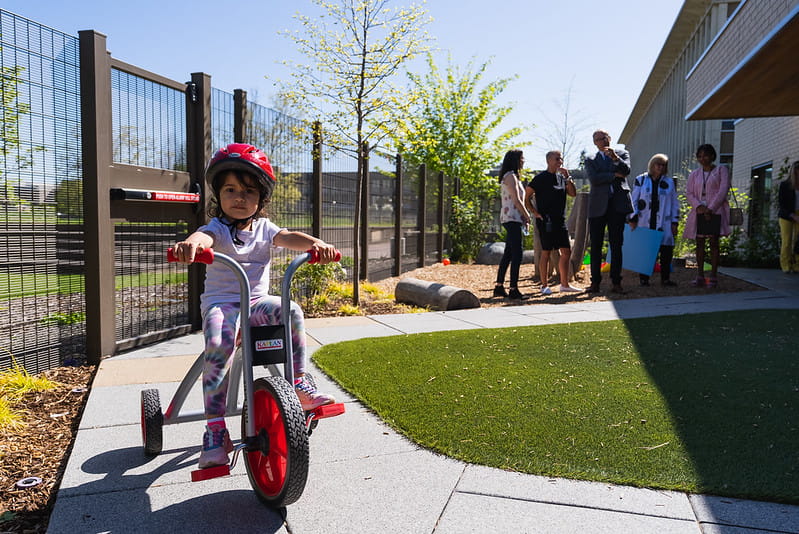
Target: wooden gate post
[198, 151]
[95, 100]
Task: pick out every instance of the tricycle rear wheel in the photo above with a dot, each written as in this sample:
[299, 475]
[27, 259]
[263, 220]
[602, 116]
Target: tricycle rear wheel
[152, 422]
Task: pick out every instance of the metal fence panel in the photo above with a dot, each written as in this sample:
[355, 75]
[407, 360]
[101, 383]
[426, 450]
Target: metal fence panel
[151, 295]
[221, 118]
[42, 308]
[339, 180]
[149, 130]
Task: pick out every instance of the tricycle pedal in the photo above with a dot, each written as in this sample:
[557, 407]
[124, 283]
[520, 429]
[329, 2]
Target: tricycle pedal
[210, 472]
[327, 410]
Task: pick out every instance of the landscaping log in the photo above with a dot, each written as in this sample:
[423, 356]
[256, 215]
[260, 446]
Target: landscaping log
[434, 295]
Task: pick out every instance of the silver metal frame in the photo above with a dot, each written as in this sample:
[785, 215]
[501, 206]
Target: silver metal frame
[242, 358]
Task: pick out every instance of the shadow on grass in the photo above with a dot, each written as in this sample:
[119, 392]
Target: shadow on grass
[731, 384]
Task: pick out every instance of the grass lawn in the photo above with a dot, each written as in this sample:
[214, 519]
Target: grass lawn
[14, 285]
[705, 403]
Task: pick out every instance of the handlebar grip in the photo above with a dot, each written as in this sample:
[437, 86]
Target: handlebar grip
[315, 256]
[206, 256]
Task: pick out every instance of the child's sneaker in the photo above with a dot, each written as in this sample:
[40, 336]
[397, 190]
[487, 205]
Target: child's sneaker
[309, 397]
[216, 446]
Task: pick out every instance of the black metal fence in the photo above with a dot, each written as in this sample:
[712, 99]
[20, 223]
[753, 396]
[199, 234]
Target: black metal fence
[64, 204]
[42, 309]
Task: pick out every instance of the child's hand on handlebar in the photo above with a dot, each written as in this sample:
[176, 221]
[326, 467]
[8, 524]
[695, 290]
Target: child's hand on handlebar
[327, 253]
[185, 251]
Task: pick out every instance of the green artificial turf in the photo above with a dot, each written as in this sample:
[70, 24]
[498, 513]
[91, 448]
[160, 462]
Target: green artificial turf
[703, 403]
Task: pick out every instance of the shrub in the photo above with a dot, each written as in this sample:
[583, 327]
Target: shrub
[466, 229]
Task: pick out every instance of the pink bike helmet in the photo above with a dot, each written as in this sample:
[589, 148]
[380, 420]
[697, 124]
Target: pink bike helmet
[241, 157]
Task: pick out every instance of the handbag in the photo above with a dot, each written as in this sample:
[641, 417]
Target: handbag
[736, 213]
[708, 225]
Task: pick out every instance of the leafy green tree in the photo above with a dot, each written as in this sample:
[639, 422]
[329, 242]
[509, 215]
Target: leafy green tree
[69, 197]
[11, 112]
[452, 128]
[355, 48]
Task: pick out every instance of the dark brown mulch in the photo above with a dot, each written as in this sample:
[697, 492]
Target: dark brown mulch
[40, 449]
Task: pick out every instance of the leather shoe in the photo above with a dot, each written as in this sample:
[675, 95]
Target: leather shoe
[593, 288]
[499, 291]
[618, 289]
[516, 295]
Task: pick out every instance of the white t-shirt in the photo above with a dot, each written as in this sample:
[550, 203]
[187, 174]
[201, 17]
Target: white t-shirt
[254, 255]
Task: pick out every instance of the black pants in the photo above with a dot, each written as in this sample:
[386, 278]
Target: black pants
[512, 255]
[596, 228]
[666, 253]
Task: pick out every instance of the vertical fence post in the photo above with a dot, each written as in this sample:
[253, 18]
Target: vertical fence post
[365, 214]
[398, 219]
[422, 215]
[440, 244]
[316, 154]
[198, 152]
[95, 99]
[240, 122]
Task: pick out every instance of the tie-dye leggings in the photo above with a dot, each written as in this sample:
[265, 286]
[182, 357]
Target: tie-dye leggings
[220, 326]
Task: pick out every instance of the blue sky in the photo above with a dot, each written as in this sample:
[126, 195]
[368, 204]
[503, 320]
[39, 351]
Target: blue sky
[603, 51]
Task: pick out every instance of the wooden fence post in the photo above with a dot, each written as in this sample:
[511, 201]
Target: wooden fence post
[95, 99]
[240, 122]
[422, 215]
[365, 215]
[316, 154]
[398, 219]
[440, 244]
[198, 152]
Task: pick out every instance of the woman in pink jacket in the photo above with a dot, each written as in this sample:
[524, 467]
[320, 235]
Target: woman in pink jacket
[706, 192]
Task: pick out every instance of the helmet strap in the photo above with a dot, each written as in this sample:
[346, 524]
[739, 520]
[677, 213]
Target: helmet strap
[234, 229]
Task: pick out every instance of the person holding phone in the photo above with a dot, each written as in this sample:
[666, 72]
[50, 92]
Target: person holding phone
[609, 206]
[545, 198]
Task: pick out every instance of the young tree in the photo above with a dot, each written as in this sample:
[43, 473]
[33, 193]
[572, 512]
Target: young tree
[453, 129]
[12, 152]
[355, 48]
[565, 129]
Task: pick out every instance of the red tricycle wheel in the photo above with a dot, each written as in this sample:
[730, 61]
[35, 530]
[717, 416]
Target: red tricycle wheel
[277, 475]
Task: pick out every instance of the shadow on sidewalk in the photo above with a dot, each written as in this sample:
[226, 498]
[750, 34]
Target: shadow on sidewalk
[129, 499]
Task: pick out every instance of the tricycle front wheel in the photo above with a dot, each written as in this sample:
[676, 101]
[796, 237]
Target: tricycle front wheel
[278, 470]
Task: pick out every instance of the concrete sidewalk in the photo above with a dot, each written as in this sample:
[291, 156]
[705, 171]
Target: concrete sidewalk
[364, 477]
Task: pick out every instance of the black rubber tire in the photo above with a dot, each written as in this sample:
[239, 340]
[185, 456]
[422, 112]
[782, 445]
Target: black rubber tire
[152, 422]
[278, 477]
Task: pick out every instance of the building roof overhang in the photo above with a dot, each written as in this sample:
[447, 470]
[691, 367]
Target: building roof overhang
[762, 84]
[684, 26]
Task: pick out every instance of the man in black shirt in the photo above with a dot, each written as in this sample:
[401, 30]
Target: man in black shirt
[546, 200]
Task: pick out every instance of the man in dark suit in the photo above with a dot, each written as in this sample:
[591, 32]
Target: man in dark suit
[609, 204]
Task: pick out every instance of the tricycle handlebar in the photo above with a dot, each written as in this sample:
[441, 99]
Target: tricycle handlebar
[207, 256]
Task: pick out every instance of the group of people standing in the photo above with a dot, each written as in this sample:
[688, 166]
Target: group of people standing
[542, 199]
[652, 203]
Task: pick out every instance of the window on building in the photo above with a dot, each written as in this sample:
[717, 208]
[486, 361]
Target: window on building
[759, 197]
[727, 143]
